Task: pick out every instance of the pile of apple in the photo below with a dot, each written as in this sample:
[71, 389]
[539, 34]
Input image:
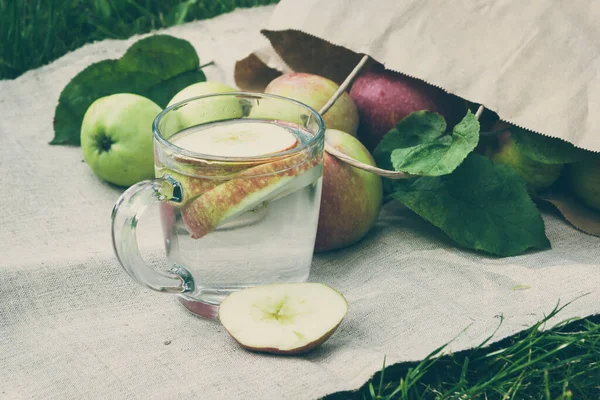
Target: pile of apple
[582, 178]
[117, 142]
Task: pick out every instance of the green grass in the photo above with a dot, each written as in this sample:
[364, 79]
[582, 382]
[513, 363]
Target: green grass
[546, 364]
[559, 363]
[35, 32]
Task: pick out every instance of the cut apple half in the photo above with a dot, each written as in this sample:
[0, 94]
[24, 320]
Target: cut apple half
[240, 139]
[283, 318]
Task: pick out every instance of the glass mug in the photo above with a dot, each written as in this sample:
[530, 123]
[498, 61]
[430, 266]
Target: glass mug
[228, 222]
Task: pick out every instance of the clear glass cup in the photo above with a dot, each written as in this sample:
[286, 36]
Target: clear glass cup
[227, 222]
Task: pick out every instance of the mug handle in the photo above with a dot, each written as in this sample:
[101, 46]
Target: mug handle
[125, 215]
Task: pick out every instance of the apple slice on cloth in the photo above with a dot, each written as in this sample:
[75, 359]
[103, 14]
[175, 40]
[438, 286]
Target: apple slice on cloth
[283, 318]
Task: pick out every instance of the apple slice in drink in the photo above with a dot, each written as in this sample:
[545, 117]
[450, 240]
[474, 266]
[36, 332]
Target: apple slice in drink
[284, 318]
[241, 139]
[229, 140]
[248, 190]
[252, 186]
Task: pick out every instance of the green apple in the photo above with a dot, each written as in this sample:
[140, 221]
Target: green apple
[584, 180]
[284, 318]
[116, 138]
[314, 91]
[205, 110]
[537, 175]
[351, 198]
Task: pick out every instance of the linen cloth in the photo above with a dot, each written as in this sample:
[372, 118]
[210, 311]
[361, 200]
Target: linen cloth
[73, 325]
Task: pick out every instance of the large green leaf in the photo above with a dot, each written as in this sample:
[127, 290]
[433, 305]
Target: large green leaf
[546, 149]
[480, 206]
[419, 145]
[156, 67]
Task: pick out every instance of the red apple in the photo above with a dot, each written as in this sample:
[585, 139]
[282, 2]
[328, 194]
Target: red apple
[315, 91]
[351, 198]
[384, 97]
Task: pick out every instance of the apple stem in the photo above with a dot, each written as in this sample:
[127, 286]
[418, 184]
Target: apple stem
[344, 84]
[479, 111]
[365, 167]
[487, 133]
[207, 64]
[343, 157]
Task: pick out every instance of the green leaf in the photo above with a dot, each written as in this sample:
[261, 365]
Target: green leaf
[419, 146]
[156, 67]
[442, 155]
[413, 129]
[163, 93]
[481, 205]
[546, 149]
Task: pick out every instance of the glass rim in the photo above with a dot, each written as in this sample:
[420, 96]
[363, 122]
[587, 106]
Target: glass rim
[208, 157]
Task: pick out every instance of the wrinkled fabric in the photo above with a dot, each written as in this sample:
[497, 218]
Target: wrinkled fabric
[73, 325]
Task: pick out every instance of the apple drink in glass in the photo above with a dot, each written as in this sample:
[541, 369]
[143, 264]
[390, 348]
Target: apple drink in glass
[238, 186]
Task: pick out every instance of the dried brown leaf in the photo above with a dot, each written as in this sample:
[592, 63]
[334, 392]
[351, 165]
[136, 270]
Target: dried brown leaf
[580, 216]
[252, 74]
[306, 53]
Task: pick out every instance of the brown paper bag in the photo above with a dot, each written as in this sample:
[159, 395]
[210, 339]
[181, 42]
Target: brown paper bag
[536, 64]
